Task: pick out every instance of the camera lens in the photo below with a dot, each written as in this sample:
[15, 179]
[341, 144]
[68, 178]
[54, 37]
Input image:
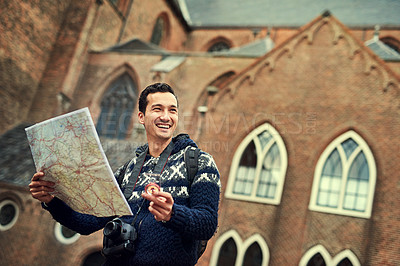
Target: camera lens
[113, 229]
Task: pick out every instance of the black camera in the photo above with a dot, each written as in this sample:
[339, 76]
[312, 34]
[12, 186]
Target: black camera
[119, 238]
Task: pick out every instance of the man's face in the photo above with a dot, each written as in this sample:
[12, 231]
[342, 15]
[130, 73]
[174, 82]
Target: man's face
[161, 116]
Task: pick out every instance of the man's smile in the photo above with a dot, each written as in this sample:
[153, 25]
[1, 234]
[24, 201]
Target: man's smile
[163, 126]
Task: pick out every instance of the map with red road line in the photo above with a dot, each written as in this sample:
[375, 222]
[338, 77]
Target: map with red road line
[68, 150]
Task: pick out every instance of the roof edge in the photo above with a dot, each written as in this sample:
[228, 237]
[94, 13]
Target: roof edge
[301, 30]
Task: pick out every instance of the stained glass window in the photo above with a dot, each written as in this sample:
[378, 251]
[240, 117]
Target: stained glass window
[117, 107]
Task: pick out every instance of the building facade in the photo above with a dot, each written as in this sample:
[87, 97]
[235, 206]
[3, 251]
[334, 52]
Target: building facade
[301, 117]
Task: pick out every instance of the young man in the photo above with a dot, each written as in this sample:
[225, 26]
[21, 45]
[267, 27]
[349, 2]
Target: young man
[169, 223]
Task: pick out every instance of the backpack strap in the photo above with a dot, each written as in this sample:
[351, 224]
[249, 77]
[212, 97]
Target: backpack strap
[191, 161]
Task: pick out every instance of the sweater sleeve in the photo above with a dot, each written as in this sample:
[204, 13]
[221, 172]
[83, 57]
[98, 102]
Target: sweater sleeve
[199, 220]
[81, 223]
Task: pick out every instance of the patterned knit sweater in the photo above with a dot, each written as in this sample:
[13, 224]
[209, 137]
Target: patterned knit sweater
[195, 214]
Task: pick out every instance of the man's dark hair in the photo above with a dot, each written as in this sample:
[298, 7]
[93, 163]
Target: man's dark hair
[153, 88]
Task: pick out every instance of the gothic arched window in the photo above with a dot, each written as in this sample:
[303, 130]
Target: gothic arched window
[316, 260]
[117, 107]
[227, 253]
[345, 176]
[229, 249]
[319, 256]
[160, 31]
[259, 167]
[253, 255]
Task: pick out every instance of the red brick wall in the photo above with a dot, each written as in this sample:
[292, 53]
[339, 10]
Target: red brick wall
[31, 241]
[44, 51]
[45, 103]
[106, 27]
[29, 31]
[143, 18]
[318, 79]
[103, 68]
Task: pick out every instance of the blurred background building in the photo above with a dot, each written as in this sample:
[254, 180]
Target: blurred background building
[297, 100]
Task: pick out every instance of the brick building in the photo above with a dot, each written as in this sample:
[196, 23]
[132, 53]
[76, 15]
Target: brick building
[298, 106]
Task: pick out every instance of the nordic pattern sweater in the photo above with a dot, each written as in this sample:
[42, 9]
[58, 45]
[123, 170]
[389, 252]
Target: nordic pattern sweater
[195, 210]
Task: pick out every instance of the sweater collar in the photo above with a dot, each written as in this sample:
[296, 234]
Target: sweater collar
[181, 141]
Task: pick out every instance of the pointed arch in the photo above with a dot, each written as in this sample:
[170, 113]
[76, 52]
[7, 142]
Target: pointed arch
[255, 239]
[108, 77]
[161, 30]
[345, 177]
[315, 251]
[319, 253]
[258, 169]
[208, 96]
[242, 248]
[227, 236]
[207, 100]
[346, 255]
[114, 104]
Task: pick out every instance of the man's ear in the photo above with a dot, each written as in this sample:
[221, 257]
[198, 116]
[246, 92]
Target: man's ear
[141, 118]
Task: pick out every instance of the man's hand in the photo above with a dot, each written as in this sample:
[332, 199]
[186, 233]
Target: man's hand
[41, 189]
[160, 205]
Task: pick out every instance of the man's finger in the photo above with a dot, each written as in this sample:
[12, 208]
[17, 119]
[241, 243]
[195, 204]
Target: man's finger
[41, 183]
[163, 209]
[163, 196]
[42, 196]
[37, 176]
[159, 215]
[161, 199]
[41, 188]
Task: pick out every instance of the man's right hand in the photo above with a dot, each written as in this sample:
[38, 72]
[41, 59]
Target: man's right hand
[41, 189]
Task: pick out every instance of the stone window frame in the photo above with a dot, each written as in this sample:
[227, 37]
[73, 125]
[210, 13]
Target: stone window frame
[329, 261]
[346, 165]
[392, 42]
[241, 246]
[113, 91]
[261, 152]
[62, 238]
[161, 30]
[218, 47]
[218, 44]
[14, 220]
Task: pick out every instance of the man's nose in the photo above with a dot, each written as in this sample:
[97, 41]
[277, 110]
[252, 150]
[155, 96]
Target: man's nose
[165, 115]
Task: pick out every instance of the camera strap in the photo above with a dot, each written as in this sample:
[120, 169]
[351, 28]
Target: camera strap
[137, 213]
[139, 165]
[162, 161]
[138, 168]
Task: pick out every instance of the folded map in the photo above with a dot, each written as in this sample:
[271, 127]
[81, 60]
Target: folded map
[68, 150]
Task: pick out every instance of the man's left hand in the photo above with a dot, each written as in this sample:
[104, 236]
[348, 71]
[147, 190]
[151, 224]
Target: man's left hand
[160, 205]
